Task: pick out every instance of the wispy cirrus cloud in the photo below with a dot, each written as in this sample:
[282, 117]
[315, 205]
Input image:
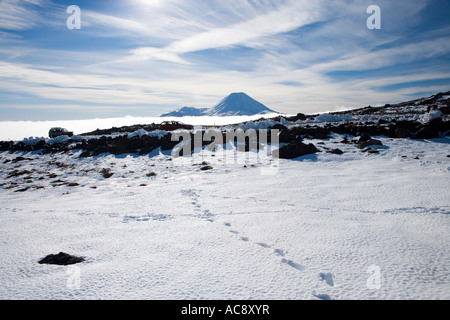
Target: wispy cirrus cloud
[294, 56]
[365, 59]
[284, 18]
[16, 15]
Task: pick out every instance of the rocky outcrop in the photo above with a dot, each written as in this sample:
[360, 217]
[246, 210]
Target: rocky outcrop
[295, 149]
[61, 258]
[366, 140]
[142, 143]
[285, 135]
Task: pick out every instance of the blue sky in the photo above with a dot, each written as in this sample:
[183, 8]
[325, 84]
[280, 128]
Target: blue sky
[147, 57]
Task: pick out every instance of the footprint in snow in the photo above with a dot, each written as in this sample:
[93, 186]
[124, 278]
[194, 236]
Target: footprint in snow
[293, 264]
[328, 278]
[208, 216]
[227, 224]
[278, 252]
[322, 296]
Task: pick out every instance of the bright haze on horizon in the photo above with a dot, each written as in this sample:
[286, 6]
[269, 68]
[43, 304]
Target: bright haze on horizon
[145, 58]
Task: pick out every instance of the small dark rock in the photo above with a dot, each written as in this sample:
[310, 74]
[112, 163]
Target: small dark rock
[371, 142]
[61, 258]
[300, 116]
[22, 190]
[427, 133]
[402, 133]
[364, 137]
[18, 159]
[345, 141]
[73, 184]
[320, 135]
[106, 173]
[17, 173]
[206, 168]
[336, 151]
[295, 149]
[85, 154]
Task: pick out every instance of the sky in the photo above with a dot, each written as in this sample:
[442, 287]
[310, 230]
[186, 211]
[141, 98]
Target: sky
[147, 57]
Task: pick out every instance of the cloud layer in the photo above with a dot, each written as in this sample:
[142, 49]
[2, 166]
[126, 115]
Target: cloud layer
[147, 57]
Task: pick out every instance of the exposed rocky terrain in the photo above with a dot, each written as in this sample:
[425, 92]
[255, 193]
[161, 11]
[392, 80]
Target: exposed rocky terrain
[24, 169]
[425, 118]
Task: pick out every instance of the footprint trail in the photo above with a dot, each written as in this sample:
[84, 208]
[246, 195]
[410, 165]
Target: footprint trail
[328, 278]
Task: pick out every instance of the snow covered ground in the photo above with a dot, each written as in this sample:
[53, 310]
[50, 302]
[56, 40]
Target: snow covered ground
[324, 226]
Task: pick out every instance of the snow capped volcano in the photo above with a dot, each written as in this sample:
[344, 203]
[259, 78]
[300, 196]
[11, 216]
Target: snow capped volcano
[236, 104]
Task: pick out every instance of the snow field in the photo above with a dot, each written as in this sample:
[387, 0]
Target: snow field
[314, 230]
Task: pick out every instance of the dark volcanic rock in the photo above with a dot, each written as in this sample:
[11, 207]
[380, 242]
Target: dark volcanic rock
[445, 110]
[61, 258]
[285, 135]
[123, 145]
[299, 116]
[315, 132]
[148, 144]
[426, 133]
[370, 142]
[85, 154]
[124, 129]
[295, 149]
[336, 151]
[366, 140]
[430, 130]
[167, 143]
[364, 137]
[106, 173]
[402, 133]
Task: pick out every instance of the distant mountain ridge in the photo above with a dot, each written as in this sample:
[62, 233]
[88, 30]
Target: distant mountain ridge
[236, 104]
[186, 111]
